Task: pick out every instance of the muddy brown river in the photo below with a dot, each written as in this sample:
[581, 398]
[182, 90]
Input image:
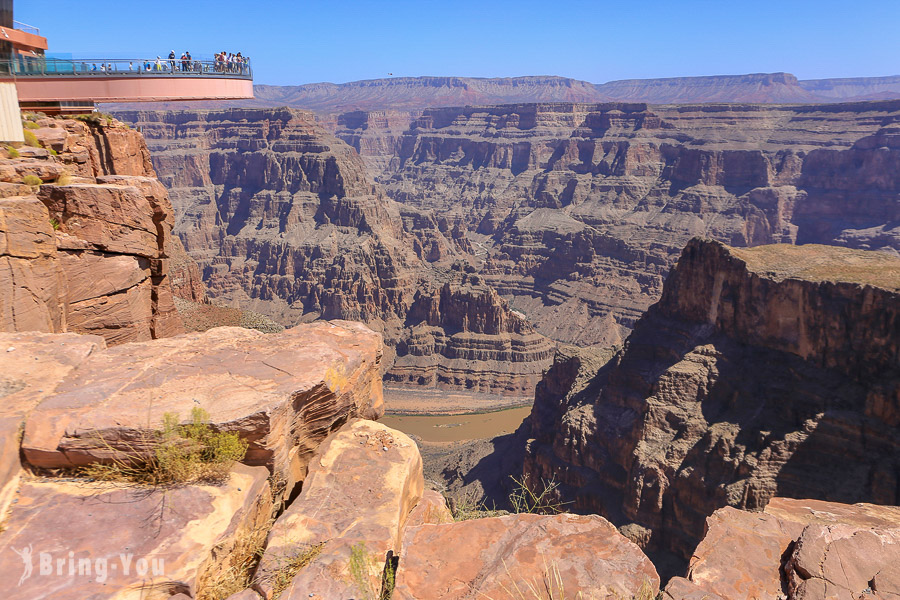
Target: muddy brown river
[455, 428]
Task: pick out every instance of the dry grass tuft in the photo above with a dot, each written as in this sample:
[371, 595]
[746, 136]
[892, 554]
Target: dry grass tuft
[182, 454]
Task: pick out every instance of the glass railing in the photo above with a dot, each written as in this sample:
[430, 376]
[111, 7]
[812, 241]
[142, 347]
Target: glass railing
[54, 67]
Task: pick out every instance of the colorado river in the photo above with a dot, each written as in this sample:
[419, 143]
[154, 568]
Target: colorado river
[454, 428]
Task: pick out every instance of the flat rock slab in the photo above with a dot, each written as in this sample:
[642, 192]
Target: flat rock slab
[126, 542]
[362, 485]
[31, 366]
[282, 392]
[753, 554]
[495, 557]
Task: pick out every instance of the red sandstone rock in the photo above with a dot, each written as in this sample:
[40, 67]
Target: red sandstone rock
[32, 365]
[431, 509]
[362, 485]
[187, 532]
[32, 280]
[108, 271]
[492, 558]
[283, 393]
[796, 549]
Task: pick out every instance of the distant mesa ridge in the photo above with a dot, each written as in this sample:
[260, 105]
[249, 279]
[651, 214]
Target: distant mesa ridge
[415, 93]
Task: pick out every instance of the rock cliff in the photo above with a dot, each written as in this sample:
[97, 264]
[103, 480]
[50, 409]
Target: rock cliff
[283, 219]
[575, 212]
[760, 372]
[86, 249]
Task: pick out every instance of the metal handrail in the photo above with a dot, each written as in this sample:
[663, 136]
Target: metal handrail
[26, 66]
[26, 27]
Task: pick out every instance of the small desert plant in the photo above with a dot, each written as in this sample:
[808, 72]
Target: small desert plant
[64, 179]
[30, 125]
[389, 576]
[32, 180]
[31, 139]
[360, 560]
[182, 453]
[95, 118]
[292, 566]
[550, 586]
[12, 152]
[465, 507]
[541, 499]
[53, 152]
[54, 224]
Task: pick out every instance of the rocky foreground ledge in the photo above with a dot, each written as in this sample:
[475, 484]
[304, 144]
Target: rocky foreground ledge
[327, 503]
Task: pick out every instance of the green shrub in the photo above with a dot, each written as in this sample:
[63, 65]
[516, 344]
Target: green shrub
[31, 139]
[31, 125]
[13, 153]
[54, 223]
[95, 118]
[182, 454]
[32, 180]
[53, 152]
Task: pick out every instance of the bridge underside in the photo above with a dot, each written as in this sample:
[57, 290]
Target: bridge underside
[80, 93]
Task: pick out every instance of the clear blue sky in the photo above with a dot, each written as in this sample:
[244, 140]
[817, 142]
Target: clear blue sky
[303, 41]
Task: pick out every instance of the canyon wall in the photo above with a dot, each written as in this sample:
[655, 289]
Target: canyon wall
[283, 219]
[85, 248]
[760, 372]
[575, 212]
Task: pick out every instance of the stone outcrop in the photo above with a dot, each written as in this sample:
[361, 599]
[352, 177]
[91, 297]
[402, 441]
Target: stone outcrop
[362, 485]
[523, 556]
[32, 365]
[283, 219]
[761, 372]
[283, 393]
[87, 251]
[126, 542]
[795, 549]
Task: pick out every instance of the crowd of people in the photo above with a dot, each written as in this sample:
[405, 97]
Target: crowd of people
[228, 62]
[224, 62]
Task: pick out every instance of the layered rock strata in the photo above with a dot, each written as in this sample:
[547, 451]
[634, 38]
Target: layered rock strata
[283, 393]
[575, 212]
[284, 220]
[760, 372]
[86, 251]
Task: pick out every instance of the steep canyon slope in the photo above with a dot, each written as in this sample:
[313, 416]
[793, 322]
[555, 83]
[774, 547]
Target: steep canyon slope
[760, 372]
[575, 212]
[284, 220]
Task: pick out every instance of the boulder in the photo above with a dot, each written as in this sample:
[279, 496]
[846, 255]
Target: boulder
[361, 487]
[561, 555]
[31, 366]
[432, 508]
[283, 393]
[98, 541]
[800, 549]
